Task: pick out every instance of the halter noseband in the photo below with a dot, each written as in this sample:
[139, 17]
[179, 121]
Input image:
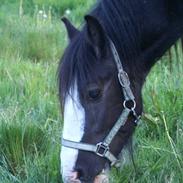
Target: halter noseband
[102, 149]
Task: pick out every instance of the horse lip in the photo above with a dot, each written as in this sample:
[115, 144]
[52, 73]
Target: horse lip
[71, 180]
[101, 178]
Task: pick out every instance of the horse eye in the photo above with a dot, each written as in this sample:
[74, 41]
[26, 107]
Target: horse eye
[94, 94]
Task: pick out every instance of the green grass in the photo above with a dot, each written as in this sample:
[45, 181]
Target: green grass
[30, 118]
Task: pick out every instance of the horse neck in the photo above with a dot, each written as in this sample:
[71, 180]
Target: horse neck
[137, 28]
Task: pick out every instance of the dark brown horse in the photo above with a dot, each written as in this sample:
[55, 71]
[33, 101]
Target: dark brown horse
[118, 45]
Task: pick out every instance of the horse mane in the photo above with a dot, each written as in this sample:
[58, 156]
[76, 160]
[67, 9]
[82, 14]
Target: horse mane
[77, 62]
[123, 24]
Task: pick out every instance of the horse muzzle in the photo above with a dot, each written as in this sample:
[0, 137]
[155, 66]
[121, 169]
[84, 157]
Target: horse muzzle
[73, 178]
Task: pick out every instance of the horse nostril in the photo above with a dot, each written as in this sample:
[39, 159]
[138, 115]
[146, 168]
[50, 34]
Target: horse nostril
[74, 176]
[81, 175]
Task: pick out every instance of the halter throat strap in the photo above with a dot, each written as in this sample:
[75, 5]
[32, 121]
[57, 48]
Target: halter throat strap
[102, 149]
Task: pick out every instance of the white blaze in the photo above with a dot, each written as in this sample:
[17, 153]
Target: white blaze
[74, 119]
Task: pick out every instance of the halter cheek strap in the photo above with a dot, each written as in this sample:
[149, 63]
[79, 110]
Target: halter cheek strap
[102, 149]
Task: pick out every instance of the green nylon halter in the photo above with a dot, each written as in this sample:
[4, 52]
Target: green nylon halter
[102, 149]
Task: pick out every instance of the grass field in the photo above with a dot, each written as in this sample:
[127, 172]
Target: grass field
[32, 40]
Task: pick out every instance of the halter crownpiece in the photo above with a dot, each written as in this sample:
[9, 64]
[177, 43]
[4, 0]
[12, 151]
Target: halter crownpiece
[102, 149]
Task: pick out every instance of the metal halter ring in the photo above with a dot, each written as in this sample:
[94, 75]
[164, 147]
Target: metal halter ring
[131, 108]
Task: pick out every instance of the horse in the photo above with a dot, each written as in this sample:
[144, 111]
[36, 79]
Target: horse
[100, 78]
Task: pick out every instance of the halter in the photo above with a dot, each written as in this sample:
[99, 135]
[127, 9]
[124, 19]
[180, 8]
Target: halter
[102, 149]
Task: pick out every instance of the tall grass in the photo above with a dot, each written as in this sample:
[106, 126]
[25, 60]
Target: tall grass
[30, 122]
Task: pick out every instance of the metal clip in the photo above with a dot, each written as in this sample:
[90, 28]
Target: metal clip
[102, 149]
[137, 119]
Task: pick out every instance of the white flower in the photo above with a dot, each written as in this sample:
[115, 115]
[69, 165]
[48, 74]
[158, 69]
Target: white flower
[40, 12]
[68, 12]
[45, 16]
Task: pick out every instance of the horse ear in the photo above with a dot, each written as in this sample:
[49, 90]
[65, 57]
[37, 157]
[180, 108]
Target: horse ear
[71, 30]
[96, 34]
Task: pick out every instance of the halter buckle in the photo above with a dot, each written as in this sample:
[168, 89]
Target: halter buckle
[123, 79]
[102, 149]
